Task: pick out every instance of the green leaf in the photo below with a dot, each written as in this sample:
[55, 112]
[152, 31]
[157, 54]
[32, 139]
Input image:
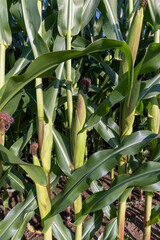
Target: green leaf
[152, 188]
[5, 32]
[110, 23]
[92, 225]
[32, 22]
[154, 9]
[16, 181]
[69, 16]
[19, 233]
[35, 172]
[145, 174]
[12, 105]
[13, 220]
[97, 166]
[21, 63]
[60, 231]
[149, 88]
[155, 215]
[105, 132]
[6, 170]
[110, 232]
[50, 94]
[117, 95]
[63, 154]
[49, 61]
[50, 97]
[16, 12]
[89, 10]
[109, 210]
[151, 62]
[20, 144]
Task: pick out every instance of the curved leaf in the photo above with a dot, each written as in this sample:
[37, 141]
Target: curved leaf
[5, 173]
[151, 62]
[105, 132]
[19, 145]
[152, 188]
[36, 173]
[19, 234]
[92, 225]
[147, 173]
[155, 215]
[60, 231]
[117, 95]
[16, 181]
[16, 12]
[97, 166]
[32, 23]
[10, 224]
[110, 24]
[50, 60]
[89, 10]
[63, 154]
[110, 232]
[69, 16]
[5, 32]
[12, 105]
[149, 88]
[21, 63]
[109, 210]
[154, 9]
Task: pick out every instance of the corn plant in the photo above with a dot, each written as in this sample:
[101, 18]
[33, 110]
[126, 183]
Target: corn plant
[76, 69]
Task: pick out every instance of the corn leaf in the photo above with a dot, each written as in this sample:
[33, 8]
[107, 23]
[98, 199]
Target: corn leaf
[63, 154]
[92, 225]
[89, 10]
[32, 24]
[110, 232]
[60, 231]
[21, 63]
[50, 60]
[10, 224]
[35, 172]
[145, 174]
[149, 88]
[110, 23]
[155, 215]
[5, 32]
[19, 233]
[151, 62]
[69, 16]
[97, 166]
[154, 10]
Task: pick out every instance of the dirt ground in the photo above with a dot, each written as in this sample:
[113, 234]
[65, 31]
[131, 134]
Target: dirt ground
[134, 215]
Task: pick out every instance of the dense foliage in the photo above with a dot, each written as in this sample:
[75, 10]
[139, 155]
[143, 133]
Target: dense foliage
[79, 97]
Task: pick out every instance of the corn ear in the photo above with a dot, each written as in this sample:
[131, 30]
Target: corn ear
[133, 37]
[79, 139]
[153, 119]
[42, 194]
[128, 111]
[47, 147]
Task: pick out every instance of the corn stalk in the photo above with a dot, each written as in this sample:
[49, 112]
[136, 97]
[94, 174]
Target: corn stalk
[129, 106]
[45, 138]
[79, 144]
[153, 125]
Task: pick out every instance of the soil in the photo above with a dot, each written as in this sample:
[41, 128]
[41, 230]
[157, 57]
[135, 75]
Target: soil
[134, 215]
